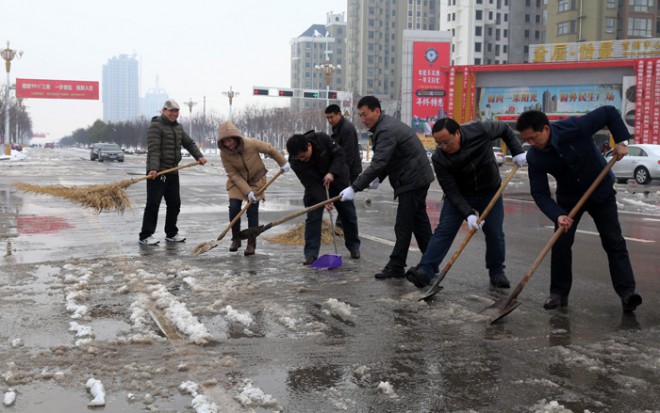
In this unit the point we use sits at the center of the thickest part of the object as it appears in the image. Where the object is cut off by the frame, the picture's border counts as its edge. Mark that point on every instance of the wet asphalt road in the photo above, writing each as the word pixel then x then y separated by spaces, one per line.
pixel 312 340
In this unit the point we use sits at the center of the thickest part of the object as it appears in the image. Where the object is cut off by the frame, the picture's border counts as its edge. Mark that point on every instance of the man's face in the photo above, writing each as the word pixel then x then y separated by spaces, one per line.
pixel 333 118
pixel 171 114
pixel 447 142
pixel 305 156
pixel 538 140
pixel 368 117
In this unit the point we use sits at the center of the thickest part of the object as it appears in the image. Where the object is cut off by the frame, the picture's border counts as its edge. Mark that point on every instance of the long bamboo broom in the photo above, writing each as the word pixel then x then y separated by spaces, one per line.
pixel 105 197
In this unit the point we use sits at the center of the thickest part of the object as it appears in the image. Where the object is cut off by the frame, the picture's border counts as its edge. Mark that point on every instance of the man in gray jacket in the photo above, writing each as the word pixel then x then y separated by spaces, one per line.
pixel 399 155
pixel 164 140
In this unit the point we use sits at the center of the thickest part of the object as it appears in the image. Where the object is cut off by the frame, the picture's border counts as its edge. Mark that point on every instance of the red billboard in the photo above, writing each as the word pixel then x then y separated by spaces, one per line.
pixel 57 89
pixel 429 85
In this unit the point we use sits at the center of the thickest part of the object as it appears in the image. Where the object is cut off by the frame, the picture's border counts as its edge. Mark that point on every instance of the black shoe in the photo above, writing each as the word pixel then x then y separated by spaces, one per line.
pixel 630 302
pixel 417 277
pixel 309 260
pixel 499 281
pixel 389 273
pixel 355 254
pixel 555 301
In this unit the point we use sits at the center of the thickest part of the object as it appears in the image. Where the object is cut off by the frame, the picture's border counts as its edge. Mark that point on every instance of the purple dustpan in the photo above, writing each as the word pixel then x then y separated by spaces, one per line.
pixel 329 261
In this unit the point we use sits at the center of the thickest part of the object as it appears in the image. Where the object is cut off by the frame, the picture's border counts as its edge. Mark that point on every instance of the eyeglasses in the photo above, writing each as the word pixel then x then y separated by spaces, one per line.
pixel 446 142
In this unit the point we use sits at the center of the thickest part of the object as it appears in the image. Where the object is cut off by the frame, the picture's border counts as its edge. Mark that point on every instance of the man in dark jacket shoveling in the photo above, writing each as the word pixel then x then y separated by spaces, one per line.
pixel 319 163
pixel 469 177
pixel 399 155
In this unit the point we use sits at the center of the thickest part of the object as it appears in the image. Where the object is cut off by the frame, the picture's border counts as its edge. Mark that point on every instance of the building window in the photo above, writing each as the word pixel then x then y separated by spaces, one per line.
pixel 611 4
pixel 639 27
pixel 479 15
pixel 526 34
pixel 562 28
pixel 489 47
pixel 505 33
pixel 478 30
pixel 640 6
pixel 565 5
pixel 527 18
pixel 477 61
pixel 477 47
pixel 609 24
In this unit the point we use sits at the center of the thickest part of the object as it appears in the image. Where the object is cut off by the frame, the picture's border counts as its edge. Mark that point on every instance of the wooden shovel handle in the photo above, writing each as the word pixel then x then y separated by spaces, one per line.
pixel 248 204
pixel 304 211
pixel 166 171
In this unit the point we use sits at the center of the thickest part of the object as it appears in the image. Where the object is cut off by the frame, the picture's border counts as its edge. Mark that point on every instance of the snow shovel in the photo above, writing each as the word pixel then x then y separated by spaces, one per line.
pixel 506 305
pixel 329 261
pixel 256 231
pixel 435 283
pixel 207 246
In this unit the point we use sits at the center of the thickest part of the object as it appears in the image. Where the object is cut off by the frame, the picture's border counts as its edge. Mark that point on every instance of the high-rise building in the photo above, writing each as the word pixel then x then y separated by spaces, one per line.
pixel 375 38
pixel 493 31
pixel 582 21
pixel 152 102
pixel 319 44
pixel 121 89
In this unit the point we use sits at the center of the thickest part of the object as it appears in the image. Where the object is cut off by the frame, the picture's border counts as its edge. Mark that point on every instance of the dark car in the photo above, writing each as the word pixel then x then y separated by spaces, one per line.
pixel 106 152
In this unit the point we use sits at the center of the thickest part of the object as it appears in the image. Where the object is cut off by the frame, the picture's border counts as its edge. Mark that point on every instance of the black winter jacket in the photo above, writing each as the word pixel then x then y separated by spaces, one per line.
pixel 346 136
pixel 327 156
pixel 399 155
pixel 473 169
pixel 164 141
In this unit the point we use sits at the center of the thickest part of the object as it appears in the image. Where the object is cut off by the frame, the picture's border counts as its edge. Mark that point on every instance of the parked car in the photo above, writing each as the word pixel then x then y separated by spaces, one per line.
pixel 641 164
pixel 49 145
pixel 106 152
pixel 499 156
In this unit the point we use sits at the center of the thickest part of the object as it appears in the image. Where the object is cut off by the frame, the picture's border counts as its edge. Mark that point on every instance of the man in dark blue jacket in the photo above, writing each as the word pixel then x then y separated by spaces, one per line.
pixel 566 150
pixel 469 177
pixel 400 156
pixel 319 162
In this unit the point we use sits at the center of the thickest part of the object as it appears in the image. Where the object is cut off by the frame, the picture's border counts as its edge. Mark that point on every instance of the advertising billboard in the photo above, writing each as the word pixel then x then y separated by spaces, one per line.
pixel 429 87
pixel 57 89
pixel 506 103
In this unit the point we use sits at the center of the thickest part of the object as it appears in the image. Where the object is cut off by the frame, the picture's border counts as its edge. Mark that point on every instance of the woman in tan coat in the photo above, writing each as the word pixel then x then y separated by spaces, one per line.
pixel 246 173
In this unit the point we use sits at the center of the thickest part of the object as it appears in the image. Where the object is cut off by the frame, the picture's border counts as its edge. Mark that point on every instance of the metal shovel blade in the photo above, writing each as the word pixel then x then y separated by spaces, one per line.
pixel 327 261
pixel 500 309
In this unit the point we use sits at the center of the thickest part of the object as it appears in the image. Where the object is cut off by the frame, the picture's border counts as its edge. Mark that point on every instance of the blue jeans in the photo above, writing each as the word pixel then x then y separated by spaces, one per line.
pixel 252 214
pixel 449 224
pixel 314 227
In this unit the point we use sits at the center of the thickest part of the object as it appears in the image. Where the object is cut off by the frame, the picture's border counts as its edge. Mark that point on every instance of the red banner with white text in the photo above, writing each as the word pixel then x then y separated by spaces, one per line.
pixel 57 89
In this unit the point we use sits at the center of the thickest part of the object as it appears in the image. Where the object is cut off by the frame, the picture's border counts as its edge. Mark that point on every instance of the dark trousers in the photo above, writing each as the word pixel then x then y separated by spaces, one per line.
pixel 606 218
pixel 450 223
pixel 252 214
pixel 164 186
pixel 314 228
pixel 411 218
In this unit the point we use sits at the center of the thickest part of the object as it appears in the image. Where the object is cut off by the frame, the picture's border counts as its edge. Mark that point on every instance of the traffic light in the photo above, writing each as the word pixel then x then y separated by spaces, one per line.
pixel 260 92
pixel 288 93
pixel 332 94
pixel 310 94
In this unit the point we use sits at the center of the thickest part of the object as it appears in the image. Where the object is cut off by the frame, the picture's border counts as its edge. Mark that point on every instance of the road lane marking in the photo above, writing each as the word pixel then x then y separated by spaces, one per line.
pixel 384 241
pixel 644 241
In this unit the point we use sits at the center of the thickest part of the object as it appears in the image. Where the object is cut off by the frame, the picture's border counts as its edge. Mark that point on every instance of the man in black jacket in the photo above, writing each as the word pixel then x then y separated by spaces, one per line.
pixel 165 138
pixel 469 176
pixel 320 163
pixel 344 133
pixel 399 155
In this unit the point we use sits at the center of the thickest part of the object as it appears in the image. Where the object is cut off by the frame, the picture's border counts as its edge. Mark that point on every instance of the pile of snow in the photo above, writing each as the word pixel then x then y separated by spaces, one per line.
pixel 200 403
pixel 332 306
pixel 236 316
pixel 251 396
pixel 95 387
pixel 386 388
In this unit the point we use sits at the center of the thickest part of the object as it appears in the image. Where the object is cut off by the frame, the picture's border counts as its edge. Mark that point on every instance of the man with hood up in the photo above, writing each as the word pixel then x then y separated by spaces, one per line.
pixel 246 173
pixel 165 138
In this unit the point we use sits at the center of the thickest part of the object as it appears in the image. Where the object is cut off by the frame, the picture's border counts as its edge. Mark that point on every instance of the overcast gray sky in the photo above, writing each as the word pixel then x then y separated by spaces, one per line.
pixel 197 48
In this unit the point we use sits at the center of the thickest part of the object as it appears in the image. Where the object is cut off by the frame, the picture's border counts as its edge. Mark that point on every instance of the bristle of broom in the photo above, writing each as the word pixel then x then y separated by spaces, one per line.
pixel 204 247
pixel 296 235
pixel 109 197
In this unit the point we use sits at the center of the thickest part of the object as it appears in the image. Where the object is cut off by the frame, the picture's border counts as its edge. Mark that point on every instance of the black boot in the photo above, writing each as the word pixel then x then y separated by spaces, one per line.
pixel 252 245
pixel 235 243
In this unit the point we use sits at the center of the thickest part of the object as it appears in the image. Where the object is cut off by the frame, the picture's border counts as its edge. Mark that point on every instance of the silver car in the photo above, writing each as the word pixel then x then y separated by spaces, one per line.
pixel 642 164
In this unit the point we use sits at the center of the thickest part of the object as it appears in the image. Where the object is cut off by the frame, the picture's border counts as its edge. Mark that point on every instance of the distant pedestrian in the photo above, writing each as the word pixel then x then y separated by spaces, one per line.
pixel 246 173
pixel 469 177
pixel 319 163
pixel 165 137
pixel 398 154
pixel 566 150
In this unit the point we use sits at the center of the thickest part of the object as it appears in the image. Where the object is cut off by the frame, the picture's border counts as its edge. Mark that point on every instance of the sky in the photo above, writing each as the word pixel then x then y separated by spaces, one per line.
pixel 195 48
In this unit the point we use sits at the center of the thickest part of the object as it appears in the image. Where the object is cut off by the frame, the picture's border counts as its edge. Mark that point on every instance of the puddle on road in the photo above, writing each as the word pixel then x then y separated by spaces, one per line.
pixel 41 224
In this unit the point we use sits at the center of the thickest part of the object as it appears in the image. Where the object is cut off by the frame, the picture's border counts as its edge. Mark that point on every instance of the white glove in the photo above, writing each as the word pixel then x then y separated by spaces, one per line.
pixel 472 223
pixel 374 184
pixel 347 194
pixel 251 197
pixel 286 167
pixel 520 159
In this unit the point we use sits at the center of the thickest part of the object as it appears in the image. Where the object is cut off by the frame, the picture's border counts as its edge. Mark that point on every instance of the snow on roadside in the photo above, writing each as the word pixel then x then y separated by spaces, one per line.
pixel 76 291
pixel 251 396
pixel 200 402
pixel 332 306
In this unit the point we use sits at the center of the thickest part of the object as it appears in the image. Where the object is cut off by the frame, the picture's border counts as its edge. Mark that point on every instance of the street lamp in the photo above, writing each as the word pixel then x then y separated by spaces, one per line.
pixel 327 69
pixel 8 54
pixel 230 94
pixel 190 104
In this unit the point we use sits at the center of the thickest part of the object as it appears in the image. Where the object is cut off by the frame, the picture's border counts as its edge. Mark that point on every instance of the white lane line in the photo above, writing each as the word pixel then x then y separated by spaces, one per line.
pixel 384 241
pixel 644 241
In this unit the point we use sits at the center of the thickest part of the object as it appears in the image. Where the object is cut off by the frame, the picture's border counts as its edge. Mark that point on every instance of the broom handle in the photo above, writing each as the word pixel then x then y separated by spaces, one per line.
pixel 304 211
pixel 249 203
pixel 166 171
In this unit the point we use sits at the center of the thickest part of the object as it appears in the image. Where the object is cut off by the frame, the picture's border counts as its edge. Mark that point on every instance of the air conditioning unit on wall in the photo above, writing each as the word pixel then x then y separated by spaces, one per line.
pixel 628 97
